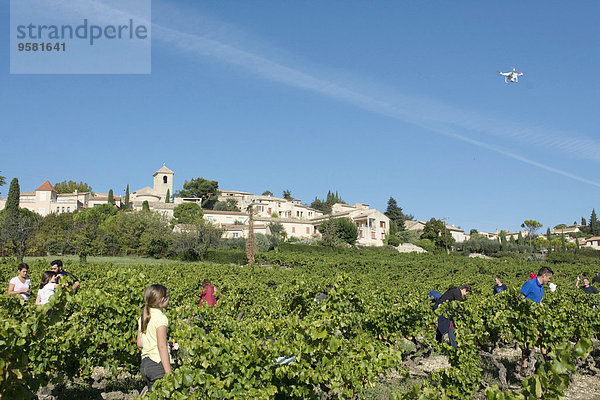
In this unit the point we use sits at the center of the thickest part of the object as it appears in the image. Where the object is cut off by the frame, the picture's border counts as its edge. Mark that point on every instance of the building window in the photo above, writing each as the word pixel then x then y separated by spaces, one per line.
pixel 372 235
pixel 293 229
pixel 57 209
pixel 361 234
pixel 382 224
pixel 229 220
pixel 382 235
pixel 307 230
pixel 68 209
pixel 63 209
pixel 164 179
pixel 234 235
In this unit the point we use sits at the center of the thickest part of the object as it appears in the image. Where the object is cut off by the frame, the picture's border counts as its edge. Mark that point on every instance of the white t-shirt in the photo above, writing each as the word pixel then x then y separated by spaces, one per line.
pixel 20 286
pixel 48 290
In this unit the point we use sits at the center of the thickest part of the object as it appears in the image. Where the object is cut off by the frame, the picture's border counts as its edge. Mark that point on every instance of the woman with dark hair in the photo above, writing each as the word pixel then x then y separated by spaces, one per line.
pixel 47 287
pixel 20 284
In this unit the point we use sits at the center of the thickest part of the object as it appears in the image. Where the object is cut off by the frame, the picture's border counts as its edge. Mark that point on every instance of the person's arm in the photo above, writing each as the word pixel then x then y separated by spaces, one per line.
pixel 76 285
pixel 38 300
pixel 12 291
pixel 577 283
pixel 139 338
pixel 161 341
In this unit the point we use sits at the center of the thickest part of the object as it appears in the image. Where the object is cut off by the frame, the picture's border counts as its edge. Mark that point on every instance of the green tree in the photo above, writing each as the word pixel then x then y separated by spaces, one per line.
pixel 86 226
pixel 287 195
pixel 473 232
pixel 17 225
pixel 520 239
pixel 277 229
pixel 594 224
pixel 168 196
pixel 56 233
pixel 337 231
pixel 532 227
pixel 145 206
pixel 561 226
pixel 395 214
pixel 583 221
pixel 111 199
pixel 227 205
pixel 135 232
pixel 2 180
pixel 202 189
pixel 326 204
pixel 17 230
pixel 71 187
pixel 267 193
pixel 187 213
pixel 503 241
pixel 436 231
pixel 126 202
pixel 12 202
pixel 195 241
pixel 549 237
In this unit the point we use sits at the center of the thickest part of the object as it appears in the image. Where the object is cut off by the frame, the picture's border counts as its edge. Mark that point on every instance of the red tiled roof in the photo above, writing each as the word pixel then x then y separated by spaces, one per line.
pixel 46 186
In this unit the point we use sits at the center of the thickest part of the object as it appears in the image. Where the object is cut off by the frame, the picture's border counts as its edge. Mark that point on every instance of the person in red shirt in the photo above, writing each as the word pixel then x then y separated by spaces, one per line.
pixel 208 294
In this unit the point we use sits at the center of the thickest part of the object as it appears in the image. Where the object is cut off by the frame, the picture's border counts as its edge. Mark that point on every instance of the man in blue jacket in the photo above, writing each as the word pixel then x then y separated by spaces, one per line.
pixel 533 290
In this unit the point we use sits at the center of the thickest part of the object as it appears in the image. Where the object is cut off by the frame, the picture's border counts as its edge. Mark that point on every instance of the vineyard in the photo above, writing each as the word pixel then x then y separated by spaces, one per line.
pixel 375 323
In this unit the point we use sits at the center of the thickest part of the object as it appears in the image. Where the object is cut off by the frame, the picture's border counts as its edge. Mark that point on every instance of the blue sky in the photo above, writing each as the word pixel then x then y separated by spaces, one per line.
pixel 370 98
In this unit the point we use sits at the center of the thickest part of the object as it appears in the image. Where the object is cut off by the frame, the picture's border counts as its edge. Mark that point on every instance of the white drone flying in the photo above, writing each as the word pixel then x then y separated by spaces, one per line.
pixel 511 77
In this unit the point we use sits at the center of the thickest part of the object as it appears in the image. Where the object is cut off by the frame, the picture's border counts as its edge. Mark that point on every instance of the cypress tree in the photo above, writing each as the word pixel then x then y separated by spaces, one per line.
pixel 583 221
pixel 111 199
pixel 145 206
pixel 12 202
pixel 549 237
pixel 520 239
pixel 594 227
pixel 126 197
pixel 168 196
pixel 563 242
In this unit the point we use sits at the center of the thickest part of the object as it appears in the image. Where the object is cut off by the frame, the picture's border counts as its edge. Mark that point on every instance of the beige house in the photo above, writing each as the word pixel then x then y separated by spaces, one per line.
pixel 458 234
pixel 593 242
pixel 226 217
pixel 276 207
pixel 298 228
pixel 44 200
pixel 372 224
pixel 165 209
pixel 417 226
pixel 566 231
pixel 102 198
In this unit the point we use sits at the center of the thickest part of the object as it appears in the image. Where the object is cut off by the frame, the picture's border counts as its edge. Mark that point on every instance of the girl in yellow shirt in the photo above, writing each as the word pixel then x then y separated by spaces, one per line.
pixel 152 335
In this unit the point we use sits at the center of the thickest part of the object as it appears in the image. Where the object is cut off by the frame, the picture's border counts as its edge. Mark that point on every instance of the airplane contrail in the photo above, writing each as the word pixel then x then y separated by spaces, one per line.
pixel 426 113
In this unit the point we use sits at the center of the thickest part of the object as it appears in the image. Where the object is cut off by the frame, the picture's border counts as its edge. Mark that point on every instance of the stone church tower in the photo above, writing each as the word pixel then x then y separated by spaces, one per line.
pixel 163 181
